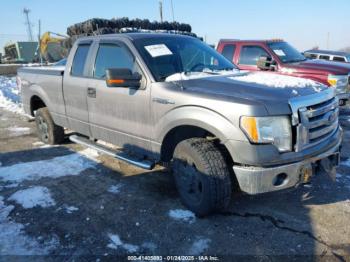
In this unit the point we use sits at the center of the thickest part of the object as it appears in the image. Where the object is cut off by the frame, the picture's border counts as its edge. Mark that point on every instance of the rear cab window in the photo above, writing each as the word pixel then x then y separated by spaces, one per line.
pixel 249 55
pixel 79 60
pixel 228 51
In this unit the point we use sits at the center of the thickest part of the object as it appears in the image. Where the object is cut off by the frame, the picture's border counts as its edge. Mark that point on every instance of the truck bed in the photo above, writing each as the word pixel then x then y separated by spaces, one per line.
pixel 46 70
pixel 45 82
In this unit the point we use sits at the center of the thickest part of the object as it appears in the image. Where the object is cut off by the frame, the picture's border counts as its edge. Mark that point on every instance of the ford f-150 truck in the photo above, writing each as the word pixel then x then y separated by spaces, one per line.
pixel 280 57
pixel 173 100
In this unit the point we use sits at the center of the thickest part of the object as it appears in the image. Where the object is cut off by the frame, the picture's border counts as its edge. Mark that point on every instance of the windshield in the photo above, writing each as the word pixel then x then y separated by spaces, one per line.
pixel 286 52
pixel 348 58
pixel 166 56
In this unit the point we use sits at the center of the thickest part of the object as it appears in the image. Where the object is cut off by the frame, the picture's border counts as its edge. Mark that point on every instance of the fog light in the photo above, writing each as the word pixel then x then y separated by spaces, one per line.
pixel 280 179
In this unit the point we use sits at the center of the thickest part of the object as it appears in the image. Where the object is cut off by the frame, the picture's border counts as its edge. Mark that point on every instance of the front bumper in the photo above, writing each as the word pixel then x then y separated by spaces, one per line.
pixel 255 180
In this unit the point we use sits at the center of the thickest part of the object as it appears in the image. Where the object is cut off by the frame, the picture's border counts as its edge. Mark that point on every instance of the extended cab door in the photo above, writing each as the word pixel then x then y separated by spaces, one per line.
pixel 75 83
pixel 249 56
pixel 118 115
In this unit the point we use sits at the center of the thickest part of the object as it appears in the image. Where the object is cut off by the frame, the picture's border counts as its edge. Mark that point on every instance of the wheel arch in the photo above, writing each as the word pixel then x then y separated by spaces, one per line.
pixel 36 102
pixel 193 122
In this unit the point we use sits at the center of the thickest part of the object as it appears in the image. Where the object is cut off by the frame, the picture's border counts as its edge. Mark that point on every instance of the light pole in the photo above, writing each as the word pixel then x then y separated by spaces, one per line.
pixel 161 10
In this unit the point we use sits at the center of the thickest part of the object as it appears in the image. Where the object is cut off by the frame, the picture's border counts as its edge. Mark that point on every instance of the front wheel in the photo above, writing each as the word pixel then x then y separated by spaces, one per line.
pixel 202 176
pixel 48 131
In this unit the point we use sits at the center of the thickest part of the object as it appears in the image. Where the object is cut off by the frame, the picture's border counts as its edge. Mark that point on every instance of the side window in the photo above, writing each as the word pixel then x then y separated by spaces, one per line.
pixel 324 57
pixel 228 51
pixel 79 60
pixel 250 55
pixel 112 56
pixel 339 58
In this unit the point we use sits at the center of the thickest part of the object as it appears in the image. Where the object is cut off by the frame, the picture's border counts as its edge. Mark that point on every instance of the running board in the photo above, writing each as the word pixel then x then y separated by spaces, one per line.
pixel 116 154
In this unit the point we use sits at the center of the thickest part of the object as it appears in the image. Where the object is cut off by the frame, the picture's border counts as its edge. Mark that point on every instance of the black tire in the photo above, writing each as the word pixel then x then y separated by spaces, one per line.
pixel 202 176
pixel 48 131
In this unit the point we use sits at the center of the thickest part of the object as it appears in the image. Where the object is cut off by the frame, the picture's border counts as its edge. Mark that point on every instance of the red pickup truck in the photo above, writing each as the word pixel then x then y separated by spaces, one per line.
pixel 278 56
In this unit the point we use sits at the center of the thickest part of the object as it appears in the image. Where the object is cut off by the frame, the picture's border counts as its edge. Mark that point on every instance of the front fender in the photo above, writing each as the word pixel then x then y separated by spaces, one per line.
pixel 201 117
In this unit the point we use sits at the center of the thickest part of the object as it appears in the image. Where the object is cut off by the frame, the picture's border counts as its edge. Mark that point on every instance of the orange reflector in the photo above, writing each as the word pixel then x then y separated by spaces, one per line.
pixel 332 82
pixel 116 81
pixel 249 125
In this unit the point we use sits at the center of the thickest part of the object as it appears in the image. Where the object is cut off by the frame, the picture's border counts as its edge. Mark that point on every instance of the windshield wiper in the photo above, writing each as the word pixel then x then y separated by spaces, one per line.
pixel 206 71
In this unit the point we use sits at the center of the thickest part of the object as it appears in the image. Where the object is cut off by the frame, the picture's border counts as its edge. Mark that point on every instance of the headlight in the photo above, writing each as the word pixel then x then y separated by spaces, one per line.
pixel 275 130
pixel 339 82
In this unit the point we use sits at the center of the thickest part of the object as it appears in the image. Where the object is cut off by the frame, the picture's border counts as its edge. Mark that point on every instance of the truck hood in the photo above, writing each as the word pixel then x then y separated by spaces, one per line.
pixel 271 90
pixel 321 67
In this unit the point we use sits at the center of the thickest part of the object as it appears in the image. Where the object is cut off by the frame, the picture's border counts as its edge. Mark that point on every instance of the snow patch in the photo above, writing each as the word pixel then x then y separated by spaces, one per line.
pixel 115 189
pixel 346 162
pixel 150 246
pixel 182 215
pixel 71 209
pixel 32 197
pixel 48 146
pixel 117 243
pixel 19 131
pixel 278 81
pixel 262 78
pixel 9 95
pixel 13 240
pixel 196 75
pixel 38 143
pixel 90 154
pixel 72 164
pixel 199 246
pixel 344 179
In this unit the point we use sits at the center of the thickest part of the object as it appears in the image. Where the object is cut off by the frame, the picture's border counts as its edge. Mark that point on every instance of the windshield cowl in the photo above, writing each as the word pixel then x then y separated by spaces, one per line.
pixel 183 76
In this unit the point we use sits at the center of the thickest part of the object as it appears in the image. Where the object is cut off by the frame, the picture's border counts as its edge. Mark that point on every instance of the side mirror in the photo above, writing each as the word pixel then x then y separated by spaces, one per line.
pixel 265 63
pixel 122 77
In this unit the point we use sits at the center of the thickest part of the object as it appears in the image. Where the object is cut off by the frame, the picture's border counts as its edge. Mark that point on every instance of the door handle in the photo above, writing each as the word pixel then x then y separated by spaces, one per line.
pixel 91 92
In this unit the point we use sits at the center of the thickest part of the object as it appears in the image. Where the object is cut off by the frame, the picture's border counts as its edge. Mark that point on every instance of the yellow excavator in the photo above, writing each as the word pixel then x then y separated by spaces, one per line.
pixel 52 47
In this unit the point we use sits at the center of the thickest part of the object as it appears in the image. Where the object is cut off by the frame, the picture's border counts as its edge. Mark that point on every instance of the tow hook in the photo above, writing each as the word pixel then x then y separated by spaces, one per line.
pixel 306 173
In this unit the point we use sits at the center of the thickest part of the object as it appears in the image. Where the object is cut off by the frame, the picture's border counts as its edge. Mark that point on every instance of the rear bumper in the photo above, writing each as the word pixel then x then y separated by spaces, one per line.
pixel 255 180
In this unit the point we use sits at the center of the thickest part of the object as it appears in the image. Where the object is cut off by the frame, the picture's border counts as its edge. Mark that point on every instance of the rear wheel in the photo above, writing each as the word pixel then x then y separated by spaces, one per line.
pixel 202 176
pixel 48 131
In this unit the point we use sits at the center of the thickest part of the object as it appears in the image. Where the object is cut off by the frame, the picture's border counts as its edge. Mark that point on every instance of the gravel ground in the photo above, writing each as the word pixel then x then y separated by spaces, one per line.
pixel 70 202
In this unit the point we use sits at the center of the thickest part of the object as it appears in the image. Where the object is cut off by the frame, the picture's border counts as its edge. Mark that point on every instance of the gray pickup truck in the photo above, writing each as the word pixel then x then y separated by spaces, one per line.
pixel 172 100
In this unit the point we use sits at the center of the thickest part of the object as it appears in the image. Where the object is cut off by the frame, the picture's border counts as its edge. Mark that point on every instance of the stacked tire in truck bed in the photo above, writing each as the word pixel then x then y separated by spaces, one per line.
pixel 97 26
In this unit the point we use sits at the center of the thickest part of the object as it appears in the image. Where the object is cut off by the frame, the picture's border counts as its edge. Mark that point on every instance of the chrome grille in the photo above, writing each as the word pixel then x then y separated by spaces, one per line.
pixel 315 118
pixel 317 123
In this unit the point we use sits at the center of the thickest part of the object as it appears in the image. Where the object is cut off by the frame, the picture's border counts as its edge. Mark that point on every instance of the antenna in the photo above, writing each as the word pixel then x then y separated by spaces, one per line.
pixel 26 12
pixel 161 10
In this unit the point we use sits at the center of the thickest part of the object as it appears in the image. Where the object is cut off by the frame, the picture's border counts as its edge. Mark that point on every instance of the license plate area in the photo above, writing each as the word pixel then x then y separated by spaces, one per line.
pixel 328 164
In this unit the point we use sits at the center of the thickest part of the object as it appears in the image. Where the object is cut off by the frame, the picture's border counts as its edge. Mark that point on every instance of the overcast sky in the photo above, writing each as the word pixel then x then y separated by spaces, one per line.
pixel 302 23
